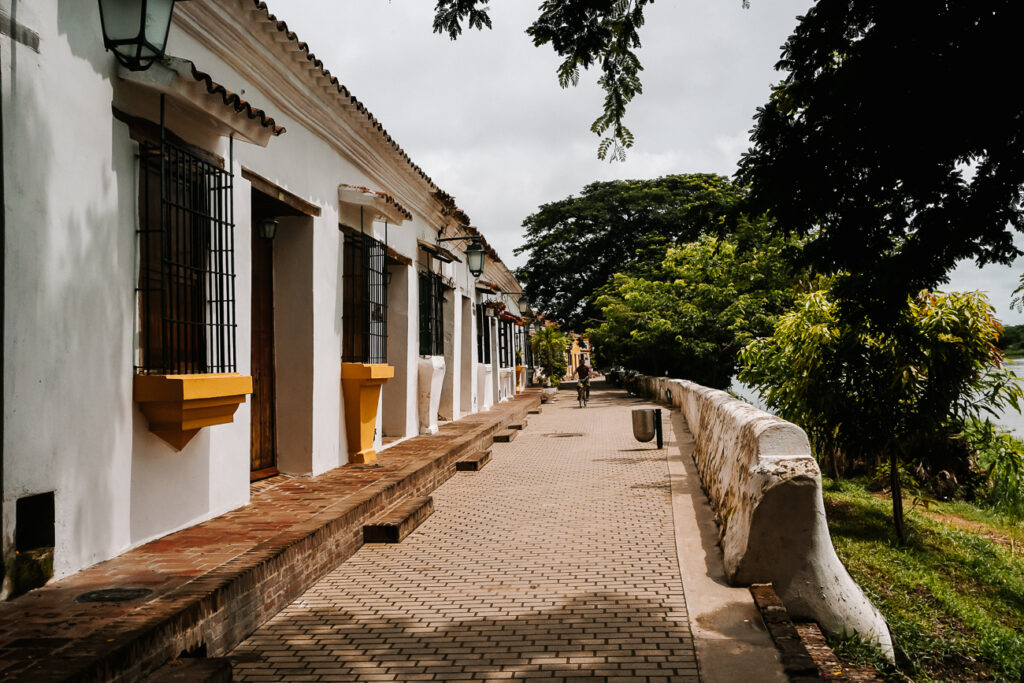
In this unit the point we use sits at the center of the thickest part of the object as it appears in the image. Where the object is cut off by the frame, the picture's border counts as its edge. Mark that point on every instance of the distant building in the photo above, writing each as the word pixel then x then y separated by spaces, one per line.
pixel 579 350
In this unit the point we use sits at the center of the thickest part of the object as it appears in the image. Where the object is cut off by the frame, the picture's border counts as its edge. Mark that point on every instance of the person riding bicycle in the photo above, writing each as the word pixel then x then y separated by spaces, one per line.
pixel 583 376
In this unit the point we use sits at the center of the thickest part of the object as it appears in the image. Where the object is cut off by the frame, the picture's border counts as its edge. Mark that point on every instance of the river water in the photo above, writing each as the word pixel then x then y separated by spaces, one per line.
pixel 1008 419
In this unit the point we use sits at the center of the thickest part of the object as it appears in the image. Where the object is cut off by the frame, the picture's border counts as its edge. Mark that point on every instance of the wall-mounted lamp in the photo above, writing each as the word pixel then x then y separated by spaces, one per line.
pixel 524 305
pixel 136 30
pixel 268 228
pixel 475 253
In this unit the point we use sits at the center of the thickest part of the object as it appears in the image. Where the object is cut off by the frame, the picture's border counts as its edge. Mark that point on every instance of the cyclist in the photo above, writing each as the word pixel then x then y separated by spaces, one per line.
pixel 583 376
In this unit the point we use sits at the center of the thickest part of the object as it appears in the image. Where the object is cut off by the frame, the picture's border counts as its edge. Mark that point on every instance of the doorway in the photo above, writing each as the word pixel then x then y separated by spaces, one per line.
pixel 263 452
pixel 263 430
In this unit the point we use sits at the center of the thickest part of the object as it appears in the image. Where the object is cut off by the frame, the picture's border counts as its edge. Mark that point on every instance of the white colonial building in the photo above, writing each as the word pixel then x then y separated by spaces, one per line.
pixel 215 269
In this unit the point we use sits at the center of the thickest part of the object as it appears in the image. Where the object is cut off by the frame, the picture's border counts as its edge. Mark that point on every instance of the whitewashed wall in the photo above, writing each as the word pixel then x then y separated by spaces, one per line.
pixel 71 425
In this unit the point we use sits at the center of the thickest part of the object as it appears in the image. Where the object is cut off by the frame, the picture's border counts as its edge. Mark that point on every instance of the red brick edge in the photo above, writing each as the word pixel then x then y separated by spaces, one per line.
pixel 796 661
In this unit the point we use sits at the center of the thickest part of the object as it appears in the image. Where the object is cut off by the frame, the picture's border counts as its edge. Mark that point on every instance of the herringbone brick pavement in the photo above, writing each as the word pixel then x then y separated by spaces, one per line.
pixel 556 561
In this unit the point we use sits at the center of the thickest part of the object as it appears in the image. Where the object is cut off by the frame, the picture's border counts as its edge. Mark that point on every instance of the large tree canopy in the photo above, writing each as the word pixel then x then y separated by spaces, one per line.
pixel 896 142
pixel 576 244
pixel 691 316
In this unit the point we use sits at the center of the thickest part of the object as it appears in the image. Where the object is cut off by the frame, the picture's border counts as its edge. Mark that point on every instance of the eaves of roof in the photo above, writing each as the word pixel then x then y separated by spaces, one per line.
pixel 232 100
pixel 383 196
pixel 283 29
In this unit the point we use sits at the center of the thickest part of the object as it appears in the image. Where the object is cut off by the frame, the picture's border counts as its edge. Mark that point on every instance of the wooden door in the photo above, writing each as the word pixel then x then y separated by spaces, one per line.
pixel 263 452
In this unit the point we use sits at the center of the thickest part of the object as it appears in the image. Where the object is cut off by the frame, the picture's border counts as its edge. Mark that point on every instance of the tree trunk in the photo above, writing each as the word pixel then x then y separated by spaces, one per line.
pixel 897 496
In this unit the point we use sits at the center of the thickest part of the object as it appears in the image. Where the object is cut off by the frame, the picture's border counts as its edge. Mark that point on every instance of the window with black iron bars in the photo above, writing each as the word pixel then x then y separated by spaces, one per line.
pixel 504 347
pixel 365 304
pixel 431 314
pixel 483 336
pixel 186 288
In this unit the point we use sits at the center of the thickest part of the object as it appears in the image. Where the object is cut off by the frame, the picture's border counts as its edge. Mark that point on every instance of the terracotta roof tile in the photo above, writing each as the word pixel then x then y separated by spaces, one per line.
pixel 235 102
pixel 374 123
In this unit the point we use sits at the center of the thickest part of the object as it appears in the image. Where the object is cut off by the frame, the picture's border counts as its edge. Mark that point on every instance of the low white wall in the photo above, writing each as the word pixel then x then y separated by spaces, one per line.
pixel 765 489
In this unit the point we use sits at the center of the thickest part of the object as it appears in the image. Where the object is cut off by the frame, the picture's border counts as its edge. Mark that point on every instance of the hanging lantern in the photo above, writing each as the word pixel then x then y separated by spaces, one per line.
pixel 475 254
pixel 524 305
pixel 268 228
pixel 136 30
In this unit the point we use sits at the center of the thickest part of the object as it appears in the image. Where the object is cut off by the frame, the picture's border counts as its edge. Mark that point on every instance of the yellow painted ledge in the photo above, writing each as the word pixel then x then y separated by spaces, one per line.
pixel 178 406
pixel 360 385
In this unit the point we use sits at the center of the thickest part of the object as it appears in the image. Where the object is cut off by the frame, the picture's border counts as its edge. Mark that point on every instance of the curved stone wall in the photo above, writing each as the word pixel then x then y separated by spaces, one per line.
pixel 765 488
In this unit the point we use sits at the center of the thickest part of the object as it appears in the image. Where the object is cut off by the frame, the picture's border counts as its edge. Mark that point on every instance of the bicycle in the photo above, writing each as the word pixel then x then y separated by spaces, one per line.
pixel 583 392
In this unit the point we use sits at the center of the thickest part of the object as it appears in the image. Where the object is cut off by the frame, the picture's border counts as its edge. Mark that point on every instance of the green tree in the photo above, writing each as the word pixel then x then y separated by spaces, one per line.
pixel 1011 341
pixel 576 244
pixel 709 299
pixel 888 145
pixel 548 346
pixel 864 393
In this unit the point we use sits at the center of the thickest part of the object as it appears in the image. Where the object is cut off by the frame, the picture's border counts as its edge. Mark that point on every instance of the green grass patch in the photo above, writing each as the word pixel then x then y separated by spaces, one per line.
pixel 953 594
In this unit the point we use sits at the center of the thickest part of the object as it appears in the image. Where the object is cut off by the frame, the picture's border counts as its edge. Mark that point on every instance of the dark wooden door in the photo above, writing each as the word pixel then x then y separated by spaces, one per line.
pixel 263 452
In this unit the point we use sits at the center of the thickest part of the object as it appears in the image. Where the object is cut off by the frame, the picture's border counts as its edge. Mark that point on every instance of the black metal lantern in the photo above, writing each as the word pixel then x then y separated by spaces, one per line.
pixel 524 305
pixel 268 228
pixel 475 254
pixel 136 30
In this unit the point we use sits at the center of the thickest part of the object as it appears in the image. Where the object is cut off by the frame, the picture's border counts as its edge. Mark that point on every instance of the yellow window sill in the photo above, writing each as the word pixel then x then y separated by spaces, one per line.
pixel 178 406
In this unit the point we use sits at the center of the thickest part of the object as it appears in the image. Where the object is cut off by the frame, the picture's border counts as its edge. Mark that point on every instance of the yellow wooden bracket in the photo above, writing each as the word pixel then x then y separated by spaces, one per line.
pixel 178 406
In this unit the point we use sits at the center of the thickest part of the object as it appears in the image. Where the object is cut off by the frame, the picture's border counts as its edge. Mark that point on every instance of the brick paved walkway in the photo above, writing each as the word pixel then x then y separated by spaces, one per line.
pixel 556 560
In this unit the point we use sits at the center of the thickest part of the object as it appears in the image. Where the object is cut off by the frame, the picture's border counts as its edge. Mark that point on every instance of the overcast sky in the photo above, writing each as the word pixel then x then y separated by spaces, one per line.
pixel 484 117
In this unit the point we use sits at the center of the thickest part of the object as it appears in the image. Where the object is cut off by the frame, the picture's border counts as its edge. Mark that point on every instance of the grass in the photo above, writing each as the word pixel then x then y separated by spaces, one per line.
pixel 953 595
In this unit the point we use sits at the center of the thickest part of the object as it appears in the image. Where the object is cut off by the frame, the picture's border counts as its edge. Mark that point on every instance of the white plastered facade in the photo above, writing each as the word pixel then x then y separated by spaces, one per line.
pixel 71 425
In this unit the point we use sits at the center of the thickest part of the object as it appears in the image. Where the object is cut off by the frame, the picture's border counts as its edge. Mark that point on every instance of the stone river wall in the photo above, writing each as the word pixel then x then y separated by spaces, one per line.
pixel 765 489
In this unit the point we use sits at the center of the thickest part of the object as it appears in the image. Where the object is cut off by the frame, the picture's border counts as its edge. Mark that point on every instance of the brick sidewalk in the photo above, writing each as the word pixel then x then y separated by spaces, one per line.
pixel 557 560
pixel 212 584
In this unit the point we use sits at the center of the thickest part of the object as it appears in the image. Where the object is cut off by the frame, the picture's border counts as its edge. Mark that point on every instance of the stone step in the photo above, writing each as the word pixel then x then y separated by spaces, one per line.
pixel 473 462
pixel 506 436
pixel 519 426
pixel 193 670
pixel 533 411
pixel 398 522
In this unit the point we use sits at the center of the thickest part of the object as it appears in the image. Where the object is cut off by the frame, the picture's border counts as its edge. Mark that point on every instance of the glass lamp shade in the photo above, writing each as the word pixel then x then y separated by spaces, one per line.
pixel 268 228
pixel 136 30
pixel 524 305
pixel 475 254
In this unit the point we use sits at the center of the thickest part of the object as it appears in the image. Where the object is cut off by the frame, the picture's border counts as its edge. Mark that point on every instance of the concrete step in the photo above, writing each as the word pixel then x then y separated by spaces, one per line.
pixel 506 436
pixel 398 522
pixel 520 426
pixel 473 462
pixel 193 670
pixel 533 411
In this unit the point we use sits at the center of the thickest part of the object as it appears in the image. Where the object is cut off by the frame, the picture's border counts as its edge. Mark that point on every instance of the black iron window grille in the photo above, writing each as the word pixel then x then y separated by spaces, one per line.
pixel 504 348
pixel 483 336
pixel 431 314
pixel 365 300
pixel 186 287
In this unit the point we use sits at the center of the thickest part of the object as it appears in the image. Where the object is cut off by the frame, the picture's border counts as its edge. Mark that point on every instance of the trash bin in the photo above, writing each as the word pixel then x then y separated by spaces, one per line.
pixel 643 424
